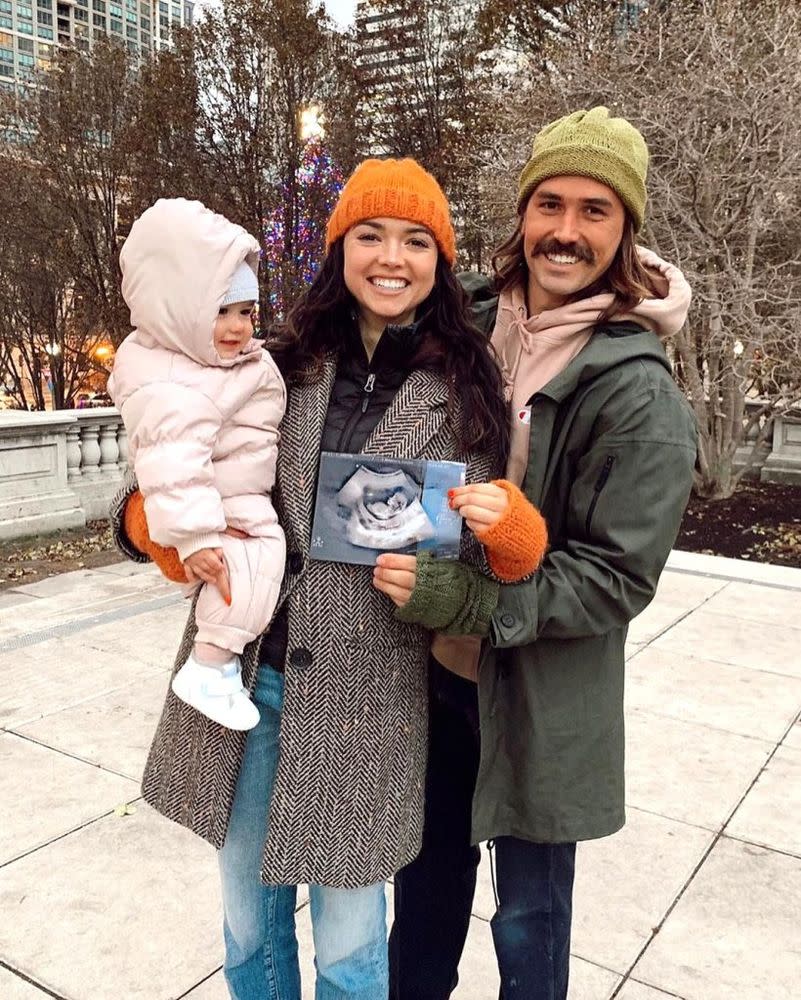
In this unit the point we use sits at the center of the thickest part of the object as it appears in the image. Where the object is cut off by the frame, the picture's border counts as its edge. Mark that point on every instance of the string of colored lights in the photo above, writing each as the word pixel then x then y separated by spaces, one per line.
pixel 294 233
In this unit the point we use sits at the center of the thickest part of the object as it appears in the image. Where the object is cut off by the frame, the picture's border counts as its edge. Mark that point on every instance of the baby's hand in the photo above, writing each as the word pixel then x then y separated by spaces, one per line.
pixel 208 565
pixel 482 505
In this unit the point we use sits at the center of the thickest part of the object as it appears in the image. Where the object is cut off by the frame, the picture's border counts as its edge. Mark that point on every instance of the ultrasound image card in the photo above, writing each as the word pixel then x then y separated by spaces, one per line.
pixel 369 504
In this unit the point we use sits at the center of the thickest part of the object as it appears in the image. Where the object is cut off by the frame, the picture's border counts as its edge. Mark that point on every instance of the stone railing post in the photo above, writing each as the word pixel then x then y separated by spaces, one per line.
pixel 109 449
pixel 783 465
pixel 73 453
pixel 101 465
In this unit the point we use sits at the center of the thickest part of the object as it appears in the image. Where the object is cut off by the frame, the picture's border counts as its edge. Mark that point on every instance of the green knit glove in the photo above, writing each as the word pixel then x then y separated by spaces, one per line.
pixel 450 597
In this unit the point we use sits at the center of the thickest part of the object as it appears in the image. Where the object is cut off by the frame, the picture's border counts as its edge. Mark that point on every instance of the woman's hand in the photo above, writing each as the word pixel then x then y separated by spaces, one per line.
pixel 482 505
pixel 395 576
pixel 209 566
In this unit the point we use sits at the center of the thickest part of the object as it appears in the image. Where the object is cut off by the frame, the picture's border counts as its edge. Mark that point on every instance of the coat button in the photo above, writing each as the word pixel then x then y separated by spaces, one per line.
pixel 300 658
pixel 294 562
pixel 507 620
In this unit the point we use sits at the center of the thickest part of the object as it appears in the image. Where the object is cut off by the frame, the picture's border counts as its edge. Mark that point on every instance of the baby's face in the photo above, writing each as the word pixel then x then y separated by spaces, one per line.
pixel 233 328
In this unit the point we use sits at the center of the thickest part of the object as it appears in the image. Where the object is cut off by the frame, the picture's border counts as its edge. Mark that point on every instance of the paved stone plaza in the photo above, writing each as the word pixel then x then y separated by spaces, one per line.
pixel 697 898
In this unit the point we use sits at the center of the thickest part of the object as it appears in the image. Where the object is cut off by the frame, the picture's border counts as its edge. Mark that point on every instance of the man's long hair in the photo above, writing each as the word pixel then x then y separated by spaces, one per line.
pixel 626 277
pixel 318 323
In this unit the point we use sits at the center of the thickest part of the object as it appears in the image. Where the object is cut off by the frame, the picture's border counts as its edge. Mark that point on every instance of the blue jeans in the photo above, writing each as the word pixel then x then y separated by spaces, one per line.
pixel 261 948
pixel 434 894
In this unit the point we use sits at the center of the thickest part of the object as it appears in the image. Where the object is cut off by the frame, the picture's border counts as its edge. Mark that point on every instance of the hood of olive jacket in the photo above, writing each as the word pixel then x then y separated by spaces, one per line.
pixel 534 350
pixel 177 264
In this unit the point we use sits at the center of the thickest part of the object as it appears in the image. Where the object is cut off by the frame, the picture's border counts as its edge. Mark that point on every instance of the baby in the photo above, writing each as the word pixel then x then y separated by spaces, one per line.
pixel 201 401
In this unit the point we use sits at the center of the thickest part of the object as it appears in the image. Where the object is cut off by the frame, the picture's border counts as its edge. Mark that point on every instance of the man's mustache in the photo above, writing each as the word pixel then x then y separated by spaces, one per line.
pixel 552 246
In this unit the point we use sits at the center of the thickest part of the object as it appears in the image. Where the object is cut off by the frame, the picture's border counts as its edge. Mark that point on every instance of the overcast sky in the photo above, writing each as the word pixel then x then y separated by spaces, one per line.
pixel 340 10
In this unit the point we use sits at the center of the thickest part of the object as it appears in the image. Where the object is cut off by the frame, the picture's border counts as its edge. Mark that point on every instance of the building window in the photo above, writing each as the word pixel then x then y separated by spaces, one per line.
pixel 44 32
pixel 43 18
pixel 81 15
pixel 5 22
pixel 116 26
pixel 115 10
pixel 99 5
pixel 24 28
pixel 99 21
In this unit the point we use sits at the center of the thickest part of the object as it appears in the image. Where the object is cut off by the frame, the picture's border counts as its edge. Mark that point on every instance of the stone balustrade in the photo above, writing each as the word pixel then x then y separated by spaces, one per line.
pixel 60 469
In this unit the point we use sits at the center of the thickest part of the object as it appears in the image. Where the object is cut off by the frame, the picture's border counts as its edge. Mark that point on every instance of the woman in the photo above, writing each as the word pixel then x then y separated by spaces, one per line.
pixel 379 357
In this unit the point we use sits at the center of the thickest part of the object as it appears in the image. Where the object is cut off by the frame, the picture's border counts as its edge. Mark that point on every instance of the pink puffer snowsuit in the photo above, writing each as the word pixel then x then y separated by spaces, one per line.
pixel 202 430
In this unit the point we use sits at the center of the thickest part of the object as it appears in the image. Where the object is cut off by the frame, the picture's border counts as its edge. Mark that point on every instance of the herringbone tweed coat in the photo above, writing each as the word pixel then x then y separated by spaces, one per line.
pixel 347 805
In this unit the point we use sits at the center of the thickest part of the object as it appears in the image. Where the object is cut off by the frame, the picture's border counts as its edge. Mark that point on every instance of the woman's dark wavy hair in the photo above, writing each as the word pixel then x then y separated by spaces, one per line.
pixel 626 277
pixel 450 344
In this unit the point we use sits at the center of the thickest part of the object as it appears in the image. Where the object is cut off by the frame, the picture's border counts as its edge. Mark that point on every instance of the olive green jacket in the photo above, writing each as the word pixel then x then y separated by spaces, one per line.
pixel 612 451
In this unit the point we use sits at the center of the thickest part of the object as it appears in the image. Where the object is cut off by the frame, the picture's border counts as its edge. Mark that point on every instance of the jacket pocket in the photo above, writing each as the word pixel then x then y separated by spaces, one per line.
pixel 600 482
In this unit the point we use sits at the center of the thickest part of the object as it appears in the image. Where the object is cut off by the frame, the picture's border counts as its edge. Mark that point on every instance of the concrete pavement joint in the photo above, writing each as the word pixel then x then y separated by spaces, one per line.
pixel 715 841
pixel 200 982
pixel 763 847
pixel 67 833
pixel 678 621
pixel 31 982
pixel 81 624
pixel 66 753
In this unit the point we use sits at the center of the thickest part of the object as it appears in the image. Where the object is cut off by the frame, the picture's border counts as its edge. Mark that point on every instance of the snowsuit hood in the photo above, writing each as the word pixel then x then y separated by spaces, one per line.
pixel 177 265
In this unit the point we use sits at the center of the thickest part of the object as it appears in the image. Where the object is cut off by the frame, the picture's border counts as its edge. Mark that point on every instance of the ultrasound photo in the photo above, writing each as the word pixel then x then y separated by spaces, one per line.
pixel 368 504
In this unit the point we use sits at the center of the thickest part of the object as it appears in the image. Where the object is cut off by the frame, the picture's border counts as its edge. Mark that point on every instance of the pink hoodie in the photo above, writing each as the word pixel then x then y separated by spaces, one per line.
pixel 535 349
pixel 202 430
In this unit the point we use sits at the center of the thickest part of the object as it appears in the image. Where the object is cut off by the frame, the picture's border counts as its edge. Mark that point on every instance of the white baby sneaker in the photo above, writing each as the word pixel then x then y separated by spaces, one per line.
pixel 217 692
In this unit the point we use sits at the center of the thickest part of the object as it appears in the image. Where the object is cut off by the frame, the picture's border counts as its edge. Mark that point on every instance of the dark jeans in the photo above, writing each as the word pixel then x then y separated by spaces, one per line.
pixel 434 894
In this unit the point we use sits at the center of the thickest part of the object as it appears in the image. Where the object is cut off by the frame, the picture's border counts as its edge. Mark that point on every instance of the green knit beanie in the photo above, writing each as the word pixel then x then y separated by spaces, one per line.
pixel 591 144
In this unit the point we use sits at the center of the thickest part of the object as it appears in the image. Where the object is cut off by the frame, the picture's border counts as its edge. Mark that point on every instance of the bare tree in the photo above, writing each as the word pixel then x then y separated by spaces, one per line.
pixel 79 123
pixel 258 65
pixel 712 85
pixel 48 337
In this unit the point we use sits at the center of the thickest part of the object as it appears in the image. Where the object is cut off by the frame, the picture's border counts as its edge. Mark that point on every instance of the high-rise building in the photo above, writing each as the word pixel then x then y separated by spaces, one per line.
pixel 30 30
pixel 391 64
pixel 387 43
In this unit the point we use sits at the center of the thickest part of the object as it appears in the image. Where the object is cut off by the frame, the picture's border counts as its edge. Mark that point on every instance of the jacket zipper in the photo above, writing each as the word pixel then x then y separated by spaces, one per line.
pixel 353 419
pixel 369 385
pixel 600 482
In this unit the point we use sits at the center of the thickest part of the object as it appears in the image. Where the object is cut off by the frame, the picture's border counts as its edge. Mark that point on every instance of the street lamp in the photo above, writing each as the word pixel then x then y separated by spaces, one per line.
pixel 52 350
pixel 311 123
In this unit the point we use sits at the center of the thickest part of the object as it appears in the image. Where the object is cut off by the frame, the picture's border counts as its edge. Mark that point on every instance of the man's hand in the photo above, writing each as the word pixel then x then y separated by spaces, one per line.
pixel 395 576
pixel 482 505
pixel 208 565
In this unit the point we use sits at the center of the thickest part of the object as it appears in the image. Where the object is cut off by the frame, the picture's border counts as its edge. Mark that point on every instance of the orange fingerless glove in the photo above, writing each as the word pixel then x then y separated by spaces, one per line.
pixel 135 525
pixel 517 542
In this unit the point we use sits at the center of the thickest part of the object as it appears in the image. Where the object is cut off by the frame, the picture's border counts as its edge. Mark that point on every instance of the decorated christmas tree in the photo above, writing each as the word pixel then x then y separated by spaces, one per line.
pixel 294 234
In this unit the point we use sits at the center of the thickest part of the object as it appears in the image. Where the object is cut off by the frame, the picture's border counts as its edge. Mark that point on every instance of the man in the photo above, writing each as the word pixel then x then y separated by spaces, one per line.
pixel 603 443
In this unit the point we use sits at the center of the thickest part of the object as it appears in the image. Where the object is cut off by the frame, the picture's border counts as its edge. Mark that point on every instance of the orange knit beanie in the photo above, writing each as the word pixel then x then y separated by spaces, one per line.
pixel 393 189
